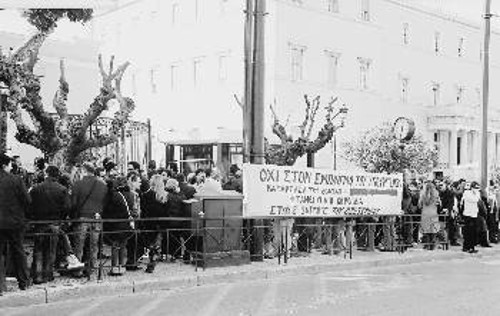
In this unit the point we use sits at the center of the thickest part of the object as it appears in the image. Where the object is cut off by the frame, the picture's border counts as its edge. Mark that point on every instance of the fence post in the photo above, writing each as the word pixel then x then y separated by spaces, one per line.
pixel 99 257
pixel 371 236
pixel 349 236
pixel 91 246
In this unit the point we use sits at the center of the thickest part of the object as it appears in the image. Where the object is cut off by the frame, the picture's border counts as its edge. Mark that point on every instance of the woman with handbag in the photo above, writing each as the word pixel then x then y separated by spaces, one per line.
pixel 117 233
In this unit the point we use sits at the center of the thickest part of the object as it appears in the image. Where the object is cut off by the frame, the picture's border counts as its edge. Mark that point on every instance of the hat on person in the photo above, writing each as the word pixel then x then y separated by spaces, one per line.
pixel 4 160
pixel 475 185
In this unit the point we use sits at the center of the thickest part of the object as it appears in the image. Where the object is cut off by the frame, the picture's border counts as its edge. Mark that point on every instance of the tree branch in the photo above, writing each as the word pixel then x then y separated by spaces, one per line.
pixel 278 129
pixel 238 101
pixel 61 95
pixel 106 94
pixel 24 133
pixel 312 118
pixel 27 53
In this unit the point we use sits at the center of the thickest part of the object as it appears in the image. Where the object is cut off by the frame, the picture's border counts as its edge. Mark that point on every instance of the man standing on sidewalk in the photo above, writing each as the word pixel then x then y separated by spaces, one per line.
pixel 14 200
pixel 88 202
pixel 50 203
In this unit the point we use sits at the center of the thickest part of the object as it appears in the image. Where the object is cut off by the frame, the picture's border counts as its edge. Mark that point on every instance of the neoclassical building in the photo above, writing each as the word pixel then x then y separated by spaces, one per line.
pixel 382 58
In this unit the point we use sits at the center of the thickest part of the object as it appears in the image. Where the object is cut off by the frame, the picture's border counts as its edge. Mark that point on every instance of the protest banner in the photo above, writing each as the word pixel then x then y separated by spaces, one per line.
pixel 282 191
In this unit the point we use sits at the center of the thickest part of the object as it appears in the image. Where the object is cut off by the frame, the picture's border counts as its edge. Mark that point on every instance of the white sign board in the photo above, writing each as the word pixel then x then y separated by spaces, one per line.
pixel 277 191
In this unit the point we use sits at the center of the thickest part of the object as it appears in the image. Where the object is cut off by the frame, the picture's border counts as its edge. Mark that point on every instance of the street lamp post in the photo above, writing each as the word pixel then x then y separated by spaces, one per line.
pixel 485 93
pixel 4 91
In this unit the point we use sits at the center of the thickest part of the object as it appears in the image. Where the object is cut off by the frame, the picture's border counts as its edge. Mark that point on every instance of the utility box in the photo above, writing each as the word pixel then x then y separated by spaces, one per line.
pixel 218 230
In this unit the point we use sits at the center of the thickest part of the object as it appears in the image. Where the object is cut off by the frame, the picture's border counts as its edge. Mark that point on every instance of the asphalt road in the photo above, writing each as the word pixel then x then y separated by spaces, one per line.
pixel 458 287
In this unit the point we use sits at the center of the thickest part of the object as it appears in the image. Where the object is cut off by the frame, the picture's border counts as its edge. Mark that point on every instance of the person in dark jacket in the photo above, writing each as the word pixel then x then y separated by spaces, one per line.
pixel 176 208
pixel 117 233
pixel 87 203
pixel 235 181
pixel 135 166
pixel 154 205
pixel 135 245
pixel 14 200
pixel 50 203
pixel 481 224
pixel 447 197
pixel 186 189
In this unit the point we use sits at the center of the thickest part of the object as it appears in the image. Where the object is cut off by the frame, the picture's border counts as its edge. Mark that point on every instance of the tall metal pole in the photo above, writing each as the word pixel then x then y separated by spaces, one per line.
pixel 257 147
pixel 257 113
pixel 247 104
pixel 485 94
pixel 150 143
pixel 3 126
pixel 4 90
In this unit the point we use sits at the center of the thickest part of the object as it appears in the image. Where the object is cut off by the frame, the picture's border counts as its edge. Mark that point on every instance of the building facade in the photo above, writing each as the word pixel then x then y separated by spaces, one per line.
pixel 382 58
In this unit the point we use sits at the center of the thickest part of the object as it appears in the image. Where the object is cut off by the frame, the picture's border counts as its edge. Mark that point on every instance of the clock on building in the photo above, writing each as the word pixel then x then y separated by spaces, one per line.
pixel 404 128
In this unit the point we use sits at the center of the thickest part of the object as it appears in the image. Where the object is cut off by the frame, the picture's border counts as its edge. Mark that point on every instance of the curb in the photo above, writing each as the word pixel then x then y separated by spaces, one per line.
pixel 49 294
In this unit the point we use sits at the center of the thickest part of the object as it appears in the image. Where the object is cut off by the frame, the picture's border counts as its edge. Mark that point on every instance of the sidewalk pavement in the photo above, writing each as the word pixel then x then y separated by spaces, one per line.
pixel 178 276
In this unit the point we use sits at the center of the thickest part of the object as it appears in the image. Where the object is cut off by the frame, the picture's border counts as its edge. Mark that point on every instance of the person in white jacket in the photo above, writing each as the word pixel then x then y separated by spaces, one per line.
pixel 470 204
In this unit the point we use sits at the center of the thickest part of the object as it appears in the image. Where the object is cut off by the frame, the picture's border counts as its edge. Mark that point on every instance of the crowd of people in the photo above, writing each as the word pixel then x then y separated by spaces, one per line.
pixel 442 207
pixel 71 212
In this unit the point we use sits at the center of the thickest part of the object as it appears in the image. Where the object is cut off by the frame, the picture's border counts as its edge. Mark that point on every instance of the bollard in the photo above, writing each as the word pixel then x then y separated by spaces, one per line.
pixel 100 258
pixel 371 237
pixel 349 236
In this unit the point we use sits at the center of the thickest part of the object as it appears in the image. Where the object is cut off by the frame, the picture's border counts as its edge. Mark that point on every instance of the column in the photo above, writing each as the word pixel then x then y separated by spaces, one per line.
pixel 491 149
pixel 497 148
pixel 444 154
pixel 453 148
pixel 477 147
pixel 465 147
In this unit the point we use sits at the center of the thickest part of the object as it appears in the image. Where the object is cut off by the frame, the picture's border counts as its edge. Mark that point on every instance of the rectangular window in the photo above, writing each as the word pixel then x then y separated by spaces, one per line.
pixel 404 82
pixel 223 6
pixel 175 13
pixel 333 6
pixel 365 10
pixel 197 72
pixel 332 61
pixel 460 49
pixel 406 35
pixel 153 77
pixel 196 10
pixel 459 150
pixel 297 61
pixel 460 91
pixel 364 73
pixel 223 67
pixel 437 42
pixel 436 91
pixel 174 74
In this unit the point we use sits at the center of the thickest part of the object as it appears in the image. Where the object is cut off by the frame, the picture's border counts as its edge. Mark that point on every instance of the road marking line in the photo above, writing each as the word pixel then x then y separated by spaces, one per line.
pixel 269 299
pixel 215 302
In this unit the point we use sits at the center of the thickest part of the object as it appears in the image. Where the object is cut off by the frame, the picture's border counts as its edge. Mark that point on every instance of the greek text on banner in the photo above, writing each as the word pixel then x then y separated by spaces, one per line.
pixel 281 191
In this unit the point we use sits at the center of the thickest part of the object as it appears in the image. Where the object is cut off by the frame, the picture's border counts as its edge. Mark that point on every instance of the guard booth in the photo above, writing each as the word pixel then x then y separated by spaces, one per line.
pixel 195 150
pixel 218 231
